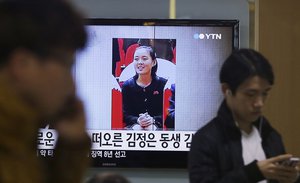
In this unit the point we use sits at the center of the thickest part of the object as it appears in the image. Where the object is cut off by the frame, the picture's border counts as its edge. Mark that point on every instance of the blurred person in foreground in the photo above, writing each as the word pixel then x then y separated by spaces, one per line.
pixel 239 145
pixel 38 41
pixel 108 177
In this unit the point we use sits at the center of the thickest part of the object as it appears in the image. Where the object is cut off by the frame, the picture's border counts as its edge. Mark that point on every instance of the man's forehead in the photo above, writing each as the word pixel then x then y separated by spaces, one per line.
pixel 256 83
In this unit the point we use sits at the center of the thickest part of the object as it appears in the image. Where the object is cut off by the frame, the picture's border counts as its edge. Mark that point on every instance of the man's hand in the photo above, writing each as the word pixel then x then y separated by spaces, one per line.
pixel 72 126
pixel 272 170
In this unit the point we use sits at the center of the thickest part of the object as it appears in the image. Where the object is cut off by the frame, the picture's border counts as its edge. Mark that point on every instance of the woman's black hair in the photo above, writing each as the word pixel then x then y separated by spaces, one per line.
pixel 243 64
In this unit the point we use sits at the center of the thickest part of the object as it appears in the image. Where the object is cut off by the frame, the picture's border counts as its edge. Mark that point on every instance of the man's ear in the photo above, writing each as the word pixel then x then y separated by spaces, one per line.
pixel 225 89
pixel 21 63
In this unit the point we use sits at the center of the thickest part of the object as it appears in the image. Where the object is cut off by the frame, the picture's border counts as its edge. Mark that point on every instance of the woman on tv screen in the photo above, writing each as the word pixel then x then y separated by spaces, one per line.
pixel 143 93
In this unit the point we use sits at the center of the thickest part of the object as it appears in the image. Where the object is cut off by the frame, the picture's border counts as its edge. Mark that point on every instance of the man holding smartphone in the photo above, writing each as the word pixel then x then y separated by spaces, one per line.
pixel 239 145
pixel 38 41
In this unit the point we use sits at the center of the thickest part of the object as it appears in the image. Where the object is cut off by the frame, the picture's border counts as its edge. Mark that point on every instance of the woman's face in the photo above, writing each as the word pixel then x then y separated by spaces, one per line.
pixel 143 62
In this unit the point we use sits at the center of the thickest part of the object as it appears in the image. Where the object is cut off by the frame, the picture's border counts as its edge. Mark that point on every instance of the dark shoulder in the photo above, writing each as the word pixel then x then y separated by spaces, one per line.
pixel 211 131
pixel 207 139
pixel 161 80
pixel 129 83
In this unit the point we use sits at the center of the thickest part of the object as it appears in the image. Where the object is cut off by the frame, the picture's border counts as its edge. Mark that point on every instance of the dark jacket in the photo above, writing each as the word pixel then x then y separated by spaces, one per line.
pixel 216 151
pixel 137 100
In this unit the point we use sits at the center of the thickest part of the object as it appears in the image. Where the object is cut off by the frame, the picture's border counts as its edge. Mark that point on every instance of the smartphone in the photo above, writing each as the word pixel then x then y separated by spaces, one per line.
pixel 292 162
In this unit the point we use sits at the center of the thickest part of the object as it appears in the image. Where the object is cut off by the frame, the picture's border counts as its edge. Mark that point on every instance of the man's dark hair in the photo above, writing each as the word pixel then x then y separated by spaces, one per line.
pixel 243 64
pixel 40 26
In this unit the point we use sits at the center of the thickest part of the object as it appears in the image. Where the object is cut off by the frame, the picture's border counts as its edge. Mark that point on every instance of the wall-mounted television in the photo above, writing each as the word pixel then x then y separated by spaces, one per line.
pixel 133 124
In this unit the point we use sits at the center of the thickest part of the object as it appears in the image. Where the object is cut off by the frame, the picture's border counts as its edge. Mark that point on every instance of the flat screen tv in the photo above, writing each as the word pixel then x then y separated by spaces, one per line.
pixel 133 123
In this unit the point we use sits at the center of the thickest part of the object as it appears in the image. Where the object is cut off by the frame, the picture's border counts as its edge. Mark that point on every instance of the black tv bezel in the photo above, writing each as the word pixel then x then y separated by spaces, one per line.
pixel 234 23
pixel 158 159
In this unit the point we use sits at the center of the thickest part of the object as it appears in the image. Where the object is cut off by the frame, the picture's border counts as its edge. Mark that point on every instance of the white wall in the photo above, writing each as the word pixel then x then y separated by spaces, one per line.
pixel 186 9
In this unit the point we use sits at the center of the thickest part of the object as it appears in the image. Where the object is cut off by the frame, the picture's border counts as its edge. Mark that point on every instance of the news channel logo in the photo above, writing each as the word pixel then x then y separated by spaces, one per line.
pixel 207 36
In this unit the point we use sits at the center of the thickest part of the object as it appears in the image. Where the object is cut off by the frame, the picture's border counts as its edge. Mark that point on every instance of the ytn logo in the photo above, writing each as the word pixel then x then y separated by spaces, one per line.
pixel 207 36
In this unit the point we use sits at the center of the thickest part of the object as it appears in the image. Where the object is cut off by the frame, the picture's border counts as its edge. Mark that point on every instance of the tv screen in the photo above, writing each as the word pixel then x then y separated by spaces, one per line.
pixel 147 87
